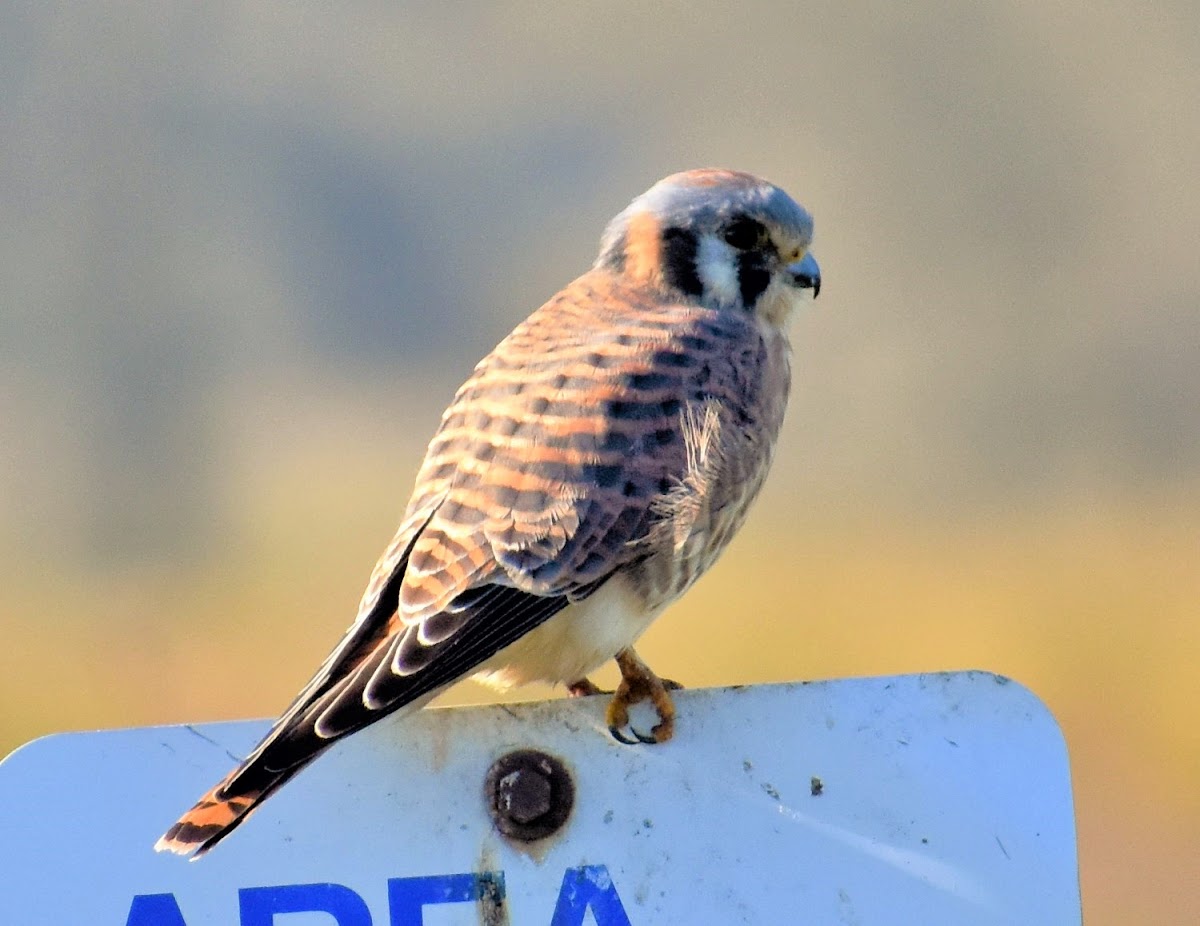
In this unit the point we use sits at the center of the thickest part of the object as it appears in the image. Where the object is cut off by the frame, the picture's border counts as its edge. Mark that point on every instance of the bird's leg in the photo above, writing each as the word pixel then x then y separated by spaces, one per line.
pixel 584 688
pixel 639 683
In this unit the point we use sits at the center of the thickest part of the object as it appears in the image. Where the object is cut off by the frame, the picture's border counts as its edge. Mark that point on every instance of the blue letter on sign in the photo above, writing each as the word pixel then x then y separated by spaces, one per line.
pixel 259 905
pixel 154 910
pixel 406 896
pixel 589 886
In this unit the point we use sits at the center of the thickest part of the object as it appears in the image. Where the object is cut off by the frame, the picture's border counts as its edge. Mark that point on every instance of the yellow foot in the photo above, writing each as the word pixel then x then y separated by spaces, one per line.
pixel 639 683
pixel 584 688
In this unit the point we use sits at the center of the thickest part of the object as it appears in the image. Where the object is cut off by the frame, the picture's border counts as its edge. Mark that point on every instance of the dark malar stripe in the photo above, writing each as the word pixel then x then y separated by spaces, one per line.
pixel 680 249
pixel 753 277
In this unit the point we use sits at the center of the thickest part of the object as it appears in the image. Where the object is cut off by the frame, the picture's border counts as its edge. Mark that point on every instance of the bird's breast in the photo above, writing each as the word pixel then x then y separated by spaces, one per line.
pixel 732 444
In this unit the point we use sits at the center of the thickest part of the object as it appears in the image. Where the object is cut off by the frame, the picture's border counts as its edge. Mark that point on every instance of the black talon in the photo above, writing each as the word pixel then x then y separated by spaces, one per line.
pixel 650 740
pixel 622 738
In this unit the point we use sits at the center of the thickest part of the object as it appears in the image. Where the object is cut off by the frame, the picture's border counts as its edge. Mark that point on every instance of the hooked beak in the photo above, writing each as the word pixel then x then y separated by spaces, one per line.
pixel 806 274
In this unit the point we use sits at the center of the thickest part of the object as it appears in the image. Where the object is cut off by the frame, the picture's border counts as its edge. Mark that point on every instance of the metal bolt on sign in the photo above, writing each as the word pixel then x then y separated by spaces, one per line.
pixel 529 794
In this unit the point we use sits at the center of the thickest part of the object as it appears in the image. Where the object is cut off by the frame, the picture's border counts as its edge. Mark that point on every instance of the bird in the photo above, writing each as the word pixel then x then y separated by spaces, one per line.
pixel 588 471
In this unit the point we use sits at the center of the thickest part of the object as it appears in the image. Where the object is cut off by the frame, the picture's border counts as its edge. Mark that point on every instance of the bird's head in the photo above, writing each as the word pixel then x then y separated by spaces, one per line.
pixel 725 239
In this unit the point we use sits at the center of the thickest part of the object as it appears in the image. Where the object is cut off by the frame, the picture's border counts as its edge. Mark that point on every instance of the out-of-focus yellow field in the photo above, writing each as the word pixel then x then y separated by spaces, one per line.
pixel 1093 606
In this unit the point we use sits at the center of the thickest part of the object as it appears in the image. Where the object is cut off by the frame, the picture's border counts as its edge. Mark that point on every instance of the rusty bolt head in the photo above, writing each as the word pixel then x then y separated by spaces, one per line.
pixel 529 794
pixel 524 795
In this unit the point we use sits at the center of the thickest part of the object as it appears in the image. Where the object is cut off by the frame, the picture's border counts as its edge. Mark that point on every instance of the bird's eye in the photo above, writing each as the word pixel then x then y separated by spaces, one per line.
pixel 745 233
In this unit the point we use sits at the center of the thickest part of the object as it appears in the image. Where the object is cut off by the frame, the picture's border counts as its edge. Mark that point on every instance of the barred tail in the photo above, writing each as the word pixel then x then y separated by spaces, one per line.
pixel 215 816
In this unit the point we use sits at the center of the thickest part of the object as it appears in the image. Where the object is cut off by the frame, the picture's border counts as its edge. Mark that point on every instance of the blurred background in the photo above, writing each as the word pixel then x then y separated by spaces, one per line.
pixel 248 250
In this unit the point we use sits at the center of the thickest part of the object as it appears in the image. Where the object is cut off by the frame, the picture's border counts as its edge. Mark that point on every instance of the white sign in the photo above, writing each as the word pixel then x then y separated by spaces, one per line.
pixel 929 799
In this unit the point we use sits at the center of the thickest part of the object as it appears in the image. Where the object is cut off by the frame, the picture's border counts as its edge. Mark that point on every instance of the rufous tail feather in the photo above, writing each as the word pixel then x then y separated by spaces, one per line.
pixel 214 817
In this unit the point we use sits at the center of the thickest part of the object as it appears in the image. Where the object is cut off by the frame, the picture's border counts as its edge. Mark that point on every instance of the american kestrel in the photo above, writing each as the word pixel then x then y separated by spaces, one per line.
pixel 592 467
